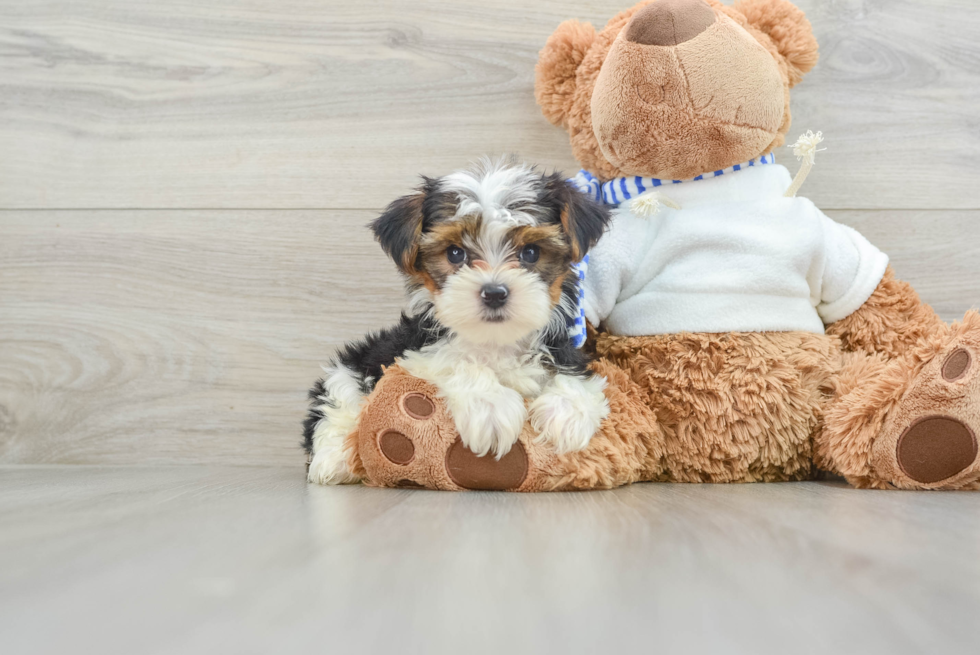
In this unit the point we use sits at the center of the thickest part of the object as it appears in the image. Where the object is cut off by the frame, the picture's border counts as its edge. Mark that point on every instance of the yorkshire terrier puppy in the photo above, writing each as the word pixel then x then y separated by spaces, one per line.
pixel 488 258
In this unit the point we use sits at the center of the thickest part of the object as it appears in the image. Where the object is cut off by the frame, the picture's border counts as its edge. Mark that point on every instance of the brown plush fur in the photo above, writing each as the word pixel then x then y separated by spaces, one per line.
pixel 672 418
pixel 657 111
pixel 676 91
pixel 784 30
pixel 752 407
pixel 877 398
pixel 891 321
pixel 733 407
pixel 560 60
pixel 889 397
pixel 553 82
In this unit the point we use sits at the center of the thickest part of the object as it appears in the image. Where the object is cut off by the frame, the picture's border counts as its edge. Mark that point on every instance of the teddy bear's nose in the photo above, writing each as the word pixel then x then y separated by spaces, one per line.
pixel 669 22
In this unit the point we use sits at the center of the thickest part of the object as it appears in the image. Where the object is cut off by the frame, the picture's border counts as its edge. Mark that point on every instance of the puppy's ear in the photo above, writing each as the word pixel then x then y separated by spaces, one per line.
pixel 582 218
pixel 399 228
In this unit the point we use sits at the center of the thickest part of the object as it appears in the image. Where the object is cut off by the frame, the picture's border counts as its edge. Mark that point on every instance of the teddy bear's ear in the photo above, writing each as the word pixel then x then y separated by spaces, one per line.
pixel 554 84
pixel 788 28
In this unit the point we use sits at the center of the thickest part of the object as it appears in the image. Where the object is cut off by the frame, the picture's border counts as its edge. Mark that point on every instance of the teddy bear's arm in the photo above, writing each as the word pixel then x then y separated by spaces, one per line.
pixel 889 322
pixel 862 302
pixel 613 261
pixel 851 269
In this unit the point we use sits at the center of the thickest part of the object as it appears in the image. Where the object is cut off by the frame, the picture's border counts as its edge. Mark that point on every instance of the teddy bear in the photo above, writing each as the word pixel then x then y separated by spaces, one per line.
pixel 744 336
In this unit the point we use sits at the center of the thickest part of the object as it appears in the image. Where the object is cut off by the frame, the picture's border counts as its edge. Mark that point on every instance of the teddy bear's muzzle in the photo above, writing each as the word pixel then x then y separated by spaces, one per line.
pixel 669 22
pixel 714 99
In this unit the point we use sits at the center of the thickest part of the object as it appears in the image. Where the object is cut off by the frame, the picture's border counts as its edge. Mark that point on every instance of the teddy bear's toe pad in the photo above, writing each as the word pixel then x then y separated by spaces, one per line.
pixel 936 448
pixel 396 447
pixel 418 406
pixel 486 473
pixel 957 365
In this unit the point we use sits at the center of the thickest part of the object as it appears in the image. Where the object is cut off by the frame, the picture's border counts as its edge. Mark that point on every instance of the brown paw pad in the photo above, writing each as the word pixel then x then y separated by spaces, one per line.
pixel 418 406
pixel 486 473
pixel 395 446
pixel 957 365
pixel 936 448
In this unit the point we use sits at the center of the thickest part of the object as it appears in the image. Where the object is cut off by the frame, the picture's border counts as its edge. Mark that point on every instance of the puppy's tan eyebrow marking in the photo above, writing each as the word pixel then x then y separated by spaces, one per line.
pixel 445 234
pixel 537 234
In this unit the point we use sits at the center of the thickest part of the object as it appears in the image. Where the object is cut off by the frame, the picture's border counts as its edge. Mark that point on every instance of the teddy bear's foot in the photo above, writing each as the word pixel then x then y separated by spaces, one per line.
pixel 930 440
pixel 406 438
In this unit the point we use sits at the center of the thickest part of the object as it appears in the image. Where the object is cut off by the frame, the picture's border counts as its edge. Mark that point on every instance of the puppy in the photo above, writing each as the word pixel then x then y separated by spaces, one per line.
pixel 488 257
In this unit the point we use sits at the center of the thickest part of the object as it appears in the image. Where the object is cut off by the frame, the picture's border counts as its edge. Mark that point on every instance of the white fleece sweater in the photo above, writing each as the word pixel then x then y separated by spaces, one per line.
pixel 737 257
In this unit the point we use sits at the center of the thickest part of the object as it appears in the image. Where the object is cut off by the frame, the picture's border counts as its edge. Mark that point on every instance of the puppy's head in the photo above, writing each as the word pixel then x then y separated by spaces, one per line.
pixel 492 248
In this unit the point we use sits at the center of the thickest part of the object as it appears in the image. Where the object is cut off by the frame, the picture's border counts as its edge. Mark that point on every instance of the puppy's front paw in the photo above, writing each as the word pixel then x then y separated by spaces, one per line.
pixel 569 412
pixel 329 466
pixel 490 422
pixel 328 461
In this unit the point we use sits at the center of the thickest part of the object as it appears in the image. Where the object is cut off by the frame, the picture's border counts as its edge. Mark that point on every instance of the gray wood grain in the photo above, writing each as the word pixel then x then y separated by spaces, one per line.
pixel 207 560
pixel 330 104
pixel 152 337
pixel 157 336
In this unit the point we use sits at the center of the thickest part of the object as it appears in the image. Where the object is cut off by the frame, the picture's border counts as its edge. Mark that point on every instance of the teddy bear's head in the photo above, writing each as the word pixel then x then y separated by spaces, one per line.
pixel 676 88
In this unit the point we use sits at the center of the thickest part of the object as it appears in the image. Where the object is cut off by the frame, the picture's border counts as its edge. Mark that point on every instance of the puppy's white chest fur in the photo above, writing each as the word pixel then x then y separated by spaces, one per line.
pixel 483 365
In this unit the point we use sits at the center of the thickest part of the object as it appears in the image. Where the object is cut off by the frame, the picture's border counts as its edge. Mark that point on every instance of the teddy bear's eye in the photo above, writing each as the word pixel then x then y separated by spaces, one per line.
pixel 530 253
pixel 455 255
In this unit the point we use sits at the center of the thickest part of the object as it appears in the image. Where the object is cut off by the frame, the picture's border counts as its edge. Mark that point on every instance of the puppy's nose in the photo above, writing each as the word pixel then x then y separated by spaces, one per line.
pixel 669 22
pixel 494 295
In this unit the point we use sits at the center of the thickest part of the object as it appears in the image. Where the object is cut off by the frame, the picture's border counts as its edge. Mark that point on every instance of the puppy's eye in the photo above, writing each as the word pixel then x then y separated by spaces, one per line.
pixel 530 254
pixel 455 255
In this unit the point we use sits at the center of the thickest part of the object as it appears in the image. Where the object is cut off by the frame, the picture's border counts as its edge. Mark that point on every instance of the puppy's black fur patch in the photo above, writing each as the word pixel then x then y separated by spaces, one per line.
pixel 563 356
pixel 404 220
pixel 587 219
pixel 365 358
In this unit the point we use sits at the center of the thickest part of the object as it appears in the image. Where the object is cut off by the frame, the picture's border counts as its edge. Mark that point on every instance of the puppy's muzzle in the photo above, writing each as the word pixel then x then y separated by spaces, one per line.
pixel 494 295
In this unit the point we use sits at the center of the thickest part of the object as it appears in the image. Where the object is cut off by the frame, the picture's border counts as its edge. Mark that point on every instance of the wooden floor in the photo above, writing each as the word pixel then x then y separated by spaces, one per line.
pixel 248 560
pixel 183 193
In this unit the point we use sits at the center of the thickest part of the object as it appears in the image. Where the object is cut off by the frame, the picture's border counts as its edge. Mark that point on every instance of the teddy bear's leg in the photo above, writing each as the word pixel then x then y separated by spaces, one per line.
pixel 406 438
pixel 734 407
pixel 911 421
pixel 907 407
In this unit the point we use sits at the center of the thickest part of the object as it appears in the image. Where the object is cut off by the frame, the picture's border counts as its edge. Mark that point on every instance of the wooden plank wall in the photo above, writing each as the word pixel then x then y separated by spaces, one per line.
pixel 184 188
